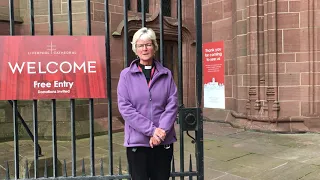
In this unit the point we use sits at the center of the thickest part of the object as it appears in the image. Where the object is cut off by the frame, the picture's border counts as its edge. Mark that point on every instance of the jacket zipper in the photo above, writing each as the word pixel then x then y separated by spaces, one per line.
pixel 150 99
pixel 150 96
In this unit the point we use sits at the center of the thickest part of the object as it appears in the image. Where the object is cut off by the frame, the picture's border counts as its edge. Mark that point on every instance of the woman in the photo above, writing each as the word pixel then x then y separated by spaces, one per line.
pixel 147 101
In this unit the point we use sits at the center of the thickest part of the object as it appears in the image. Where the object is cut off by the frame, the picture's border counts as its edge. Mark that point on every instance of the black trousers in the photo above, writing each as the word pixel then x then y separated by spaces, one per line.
pixel 150 163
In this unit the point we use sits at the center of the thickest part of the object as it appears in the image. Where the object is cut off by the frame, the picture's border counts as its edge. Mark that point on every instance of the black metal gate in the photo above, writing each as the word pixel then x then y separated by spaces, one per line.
pixel 190 118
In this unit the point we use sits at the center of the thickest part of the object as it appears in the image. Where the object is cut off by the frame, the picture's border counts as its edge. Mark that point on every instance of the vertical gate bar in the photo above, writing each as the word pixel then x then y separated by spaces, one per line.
pixel 45 173
pixel 72 101
pixel 70 17
pixel 32 17
pixel 26 174
pixel 35 103
pixel 50 17
pixel 125 30
pixel 101 167
pixel 120 166
pixel 91 114
pixel 108 64
pixel 91 101
pixel 15 110
pixel 35 132
pixel 53 103
pixel 190 167
pixel 16 139
pixel 7 171
pixel 88 18
pixel 180 84
pixel 54 137
pixel 83 168
pixel 199 132
pixel 198 12
pixel 173 169
pixel 161 31
pixel 143 14
pixel 11 16
pixel 73 136
pixel 65 174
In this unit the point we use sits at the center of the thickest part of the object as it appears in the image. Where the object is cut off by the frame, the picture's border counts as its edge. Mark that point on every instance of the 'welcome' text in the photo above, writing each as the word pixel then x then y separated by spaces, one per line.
pixel 53 67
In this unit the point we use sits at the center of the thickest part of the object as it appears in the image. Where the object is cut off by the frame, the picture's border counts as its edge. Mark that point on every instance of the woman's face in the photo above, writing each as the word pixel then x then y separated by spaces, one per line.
pixel 145 50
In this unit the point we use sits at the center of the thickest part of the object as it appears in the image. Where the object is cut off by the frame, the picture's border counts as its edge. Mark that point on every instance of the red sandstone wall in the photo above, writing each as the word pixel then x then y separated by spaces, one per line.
pixel 272 73
pixel 217 26
pixel 299 26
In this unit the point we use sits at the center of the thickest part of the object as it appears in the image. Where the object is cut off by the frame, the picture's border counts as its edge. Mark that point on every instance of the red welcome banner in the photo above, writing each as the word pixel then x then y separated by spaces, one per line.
pixel 52 67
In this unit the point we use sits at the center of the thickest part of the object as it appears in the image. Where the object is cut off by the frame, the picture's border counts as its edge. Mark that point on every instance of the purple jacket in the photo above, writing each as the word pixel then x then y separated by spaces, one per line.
pixel 145 108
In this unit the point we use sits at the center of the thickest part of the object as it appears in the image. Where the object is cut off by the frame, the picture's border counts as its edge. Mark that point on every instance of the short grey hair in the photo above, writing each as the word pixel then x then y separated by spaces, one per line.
pixel 145 34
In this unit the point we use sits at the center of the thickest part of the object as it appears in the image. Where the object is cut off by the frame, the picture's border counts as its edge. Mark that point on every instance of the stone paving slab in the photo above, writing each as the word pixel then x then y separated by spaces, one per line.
pixel 220 165
pixel 288 170
pixel 255 148
pixel 229 177
pixel 259 161
pixel 312 176
pixel 213 174
pixel 245 171
pixel 302 154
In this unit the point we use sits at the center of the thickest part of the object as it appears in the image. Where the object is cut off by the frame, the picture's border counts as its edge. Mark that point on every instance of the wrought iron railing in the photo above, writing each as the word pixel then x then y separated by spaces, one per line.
pixel 196 112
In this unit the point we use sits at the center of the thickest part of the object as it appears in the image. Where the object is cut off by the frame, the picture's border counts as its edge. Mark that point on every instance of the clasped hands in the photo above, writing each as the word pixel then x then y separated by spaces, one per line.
pixel 158 136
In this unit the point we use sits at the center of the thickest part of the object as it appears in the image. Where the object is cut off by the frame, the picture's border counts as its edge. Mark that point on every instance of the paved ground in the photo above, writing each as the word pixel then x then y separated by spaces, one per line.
pixel 230 154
